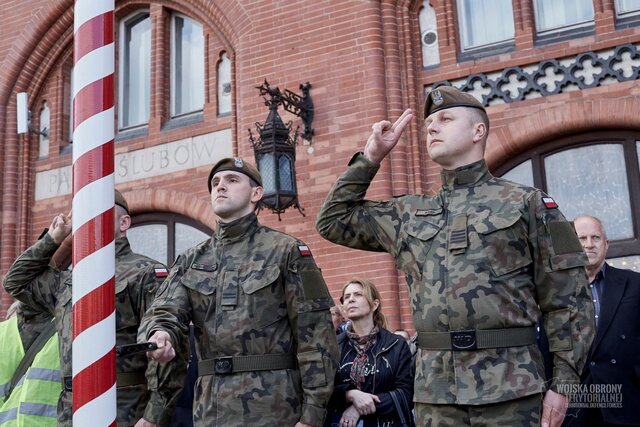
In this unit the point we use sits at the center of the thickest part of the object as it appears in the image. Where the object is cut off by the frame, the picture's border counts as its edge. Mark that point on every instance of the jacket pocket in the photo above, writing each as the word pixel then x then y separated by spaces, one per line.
pixel 504 241
pixel 263 295
pixel 416 244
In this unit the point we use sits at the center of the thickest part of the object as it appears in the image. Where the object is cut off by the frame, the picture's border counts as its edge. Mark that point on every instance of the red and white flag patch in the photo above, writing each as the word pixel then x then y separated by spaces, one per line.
pixel 304 250
pixel 161 272
pixel 549 203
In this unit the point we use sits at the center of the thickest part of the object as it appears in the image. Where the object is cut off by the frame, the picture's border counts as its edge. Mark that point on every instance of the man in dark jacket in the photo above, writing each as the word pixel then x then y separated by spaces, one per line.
pixel 609 394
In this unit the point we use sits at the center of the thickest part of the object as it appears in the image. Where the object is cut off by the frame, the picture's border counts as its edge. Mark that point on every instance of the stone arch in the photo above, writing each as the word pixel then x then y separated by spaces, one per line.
pixel 532 130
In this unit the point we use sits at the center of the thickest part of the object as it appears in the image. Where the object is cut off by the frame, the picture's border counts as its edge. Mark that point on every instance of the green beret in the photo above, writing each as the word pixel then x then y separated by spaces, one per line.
pixel 444 97
pixel 238 165
pixel 120 201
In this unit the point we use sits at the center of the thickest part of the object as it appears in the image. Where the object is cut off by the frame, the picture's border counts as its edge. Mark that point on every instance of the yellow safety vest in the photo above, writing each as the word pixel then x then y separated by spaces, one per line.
pixel 12 354
pixel 41 387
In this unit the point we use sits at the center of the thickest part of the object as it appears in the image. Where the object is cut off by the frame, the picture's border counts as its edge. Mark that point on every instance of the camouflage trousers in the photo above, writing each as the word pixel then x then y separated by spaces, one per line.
pixel 519 412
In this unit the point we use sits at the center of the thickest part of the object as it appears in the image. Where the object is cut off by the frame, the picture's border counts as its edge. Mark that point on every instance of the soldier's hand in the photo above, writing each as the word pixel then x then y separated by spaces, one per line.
pixel 350 417
pixel 364 403
pixel 165 351
pixel 60 227
pixel 385 136
pixel 144 423
pixel 554 408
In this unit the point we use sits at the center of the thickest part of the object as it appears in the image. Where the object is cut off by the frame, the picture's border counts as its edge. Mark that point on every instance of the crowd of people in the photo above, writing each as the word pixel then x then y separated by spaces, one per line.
pixel 492 267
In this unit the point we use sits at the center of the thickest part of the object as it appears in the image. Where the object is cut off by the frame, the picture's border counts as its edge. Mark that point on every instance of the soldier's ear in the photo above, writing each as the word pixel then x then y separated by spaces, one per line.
pixel 125 223
pixel 256 194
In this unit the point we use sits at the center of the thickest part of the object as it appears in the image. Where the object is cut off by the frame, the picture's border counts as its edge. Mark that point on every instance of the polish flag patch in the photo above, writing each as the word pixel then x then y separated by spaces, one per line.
pixel 161 272
pixel 304 250
pixel 549 203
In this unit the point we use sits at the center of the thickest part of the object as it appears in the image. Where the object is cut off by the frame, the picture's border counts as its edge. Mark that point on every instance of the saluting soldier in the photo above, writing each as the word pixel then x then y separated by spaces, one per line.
pixel 260 312
pixel 484 259
pixel 38 284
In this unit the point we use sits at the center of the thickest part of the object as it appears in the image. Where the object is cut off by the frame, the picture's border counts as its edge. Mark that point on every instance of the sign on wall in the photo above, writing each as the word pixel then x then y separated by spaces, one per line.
pixel 148 162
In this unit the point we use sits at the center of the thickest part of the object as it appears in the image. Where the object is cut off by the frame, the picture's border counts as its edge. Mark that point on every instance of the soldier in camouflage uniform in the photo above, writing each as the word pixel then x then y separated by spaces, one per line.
pixel 484 259
pixel 260 312
pixel 34 281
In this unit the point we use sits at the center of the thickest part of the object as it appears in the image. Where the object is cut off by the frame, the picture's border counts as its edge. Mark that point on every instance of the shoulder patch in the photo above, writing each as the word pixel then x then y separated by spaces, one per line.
pixel 161 272
pixel 304 250
pixel 549 203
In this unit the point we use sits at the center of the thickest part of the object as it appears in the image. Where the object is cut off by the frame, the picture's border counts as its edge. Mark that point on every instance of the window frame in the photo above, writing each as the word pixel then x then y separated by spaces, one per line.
pixel 122 49
pixel 169 219
pixel 491 48
pixel 172 67
pixel 562 32
pixel 628 139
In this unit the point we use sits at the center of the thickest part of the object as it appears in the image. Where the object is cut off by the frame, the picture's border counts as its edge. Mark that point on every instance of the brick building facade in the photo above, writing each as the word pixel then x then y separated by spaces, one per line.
pixel 553 87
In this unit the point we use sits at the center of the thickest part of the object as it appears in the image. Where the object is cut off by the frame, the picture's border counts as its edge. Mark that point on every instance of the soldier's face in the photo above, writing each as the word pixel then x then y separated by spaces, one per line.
pixel 355 303
pixel 451 137
pixel 232 195
pixel 593 240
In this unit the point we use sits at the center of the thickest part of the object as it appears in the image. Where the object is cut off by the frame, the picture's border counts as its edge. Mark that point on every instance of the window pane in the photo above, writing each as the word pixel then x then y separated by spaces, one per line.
pixel 187 237
pixel 522 174
pixel 149 240
pixel 187 66
pixel 625 6
pixel 484 22
pixel 627 262
pixel 136 71
pixel 552 14
pixel 592 180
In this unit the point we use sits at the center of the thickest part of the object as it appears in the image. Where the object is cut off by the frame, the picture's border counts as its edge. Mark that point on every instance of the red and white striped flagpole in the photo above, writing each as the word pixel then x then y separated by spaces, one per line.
pixel 94 376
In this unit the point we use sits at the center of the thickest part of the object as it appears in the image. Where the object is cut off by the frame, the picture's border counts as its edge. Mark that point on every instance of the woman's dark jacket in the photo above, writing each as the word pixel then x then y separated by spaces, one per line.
pixel 388 369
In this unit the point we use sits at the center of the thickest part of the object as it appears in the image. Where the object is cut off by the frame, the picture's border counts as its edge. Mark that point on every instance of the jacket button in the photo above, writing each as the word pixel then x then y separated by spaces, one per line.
pixel 613 361
pixel 623 337
pixel 592 363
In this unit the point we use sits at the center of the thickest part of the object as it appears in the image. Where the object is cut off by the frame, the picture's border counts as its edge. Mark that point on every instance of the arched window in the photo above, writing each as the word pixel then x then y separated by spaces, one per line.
pixel 224 84
pixel 429 35
pixel 164 236
pixel 595 174
pixel 45 130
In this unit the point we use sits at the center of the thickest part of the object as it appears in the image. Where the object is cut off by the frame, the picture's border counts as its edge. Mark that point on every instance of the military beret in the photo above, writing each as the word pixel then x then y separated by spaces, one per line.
pixel 444 97
pixel 120 201
pixel 238 165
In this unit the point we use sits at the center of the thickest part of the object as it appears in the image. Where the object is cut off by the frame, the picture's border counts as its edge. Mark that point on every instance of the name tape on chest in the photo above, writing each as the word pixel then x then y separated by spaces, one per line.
pixel 304 250
pixel 549 203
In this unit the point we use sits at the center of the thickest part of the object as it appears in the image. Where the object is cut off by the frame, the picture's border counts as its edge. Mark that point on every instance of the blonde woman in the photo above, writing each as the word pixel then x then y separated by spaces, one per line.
pixel 374 384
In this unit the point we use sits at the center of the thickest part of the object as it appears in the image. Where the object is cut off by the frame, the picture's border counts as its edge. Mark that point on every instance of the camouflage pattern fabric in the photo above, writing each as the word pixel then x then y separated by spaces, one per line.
pixel 39 285
pixel 251 290
pixel 484 253
pixel 523 412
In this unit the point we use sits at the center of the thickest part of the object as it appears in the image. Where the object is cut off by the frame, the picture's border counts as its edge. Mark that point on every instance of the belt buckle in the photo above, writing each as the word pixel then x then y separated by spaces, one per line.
pixel 463 340
pixel 223 365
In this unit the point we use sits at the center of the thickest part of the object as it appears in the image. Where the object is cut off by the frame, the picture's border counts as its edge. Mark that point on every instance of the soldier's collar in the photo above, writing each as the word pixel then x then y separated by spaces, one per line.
pixel 465 176
pixel 122 246
pixel 236 228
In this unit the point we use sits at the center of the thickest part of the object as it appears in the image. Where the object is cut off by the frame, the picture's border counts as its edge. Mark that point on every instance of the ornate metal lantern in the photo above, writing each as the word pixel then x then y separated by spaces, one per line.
pixel 275 147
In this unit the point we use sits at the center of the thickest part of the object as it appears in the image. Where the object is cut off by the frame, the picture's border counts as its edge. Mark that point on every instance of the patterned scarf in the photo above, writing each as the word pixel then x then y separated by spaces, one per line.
pixel 362 344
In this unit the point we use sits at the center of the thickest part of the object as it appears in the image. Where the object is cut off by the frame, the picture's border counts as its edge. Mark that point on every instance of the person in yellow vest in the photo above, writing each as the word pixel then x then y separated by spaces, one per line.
pixel 30 380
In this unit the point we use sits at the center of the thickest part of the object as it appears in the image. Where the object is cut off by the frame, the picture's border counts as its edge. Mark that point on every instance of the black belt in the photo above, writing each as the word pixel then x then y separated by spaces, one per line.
pixel 258 362
pixel 123 379
pixel 477 339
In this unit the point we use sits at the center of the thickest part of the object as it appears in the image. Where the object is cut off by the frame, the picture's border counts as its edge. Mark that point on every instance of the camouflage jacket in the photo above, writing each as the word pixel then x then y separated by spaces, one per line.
pixel 251 290
pixel 484 253
pixel 32 280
